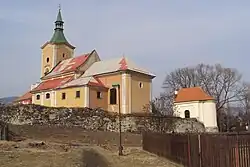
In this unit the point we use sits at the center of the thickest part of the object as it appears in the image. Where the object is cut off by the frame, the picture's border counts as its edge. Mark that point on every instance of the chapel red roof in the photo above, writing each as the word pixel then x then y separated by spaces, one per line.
pixel 192 94
pixel 52 84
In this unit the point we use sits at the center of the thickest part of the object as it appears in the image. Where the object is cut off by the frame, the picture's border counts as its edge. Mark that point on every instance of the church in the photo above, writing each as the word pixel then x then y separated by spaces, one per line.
pixel 86 80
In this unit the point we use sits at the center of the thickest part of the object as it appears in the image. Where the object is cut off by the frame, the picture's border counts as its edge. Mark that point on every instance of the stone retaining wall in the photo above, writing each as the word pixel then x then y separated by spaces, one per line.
pixel 95 119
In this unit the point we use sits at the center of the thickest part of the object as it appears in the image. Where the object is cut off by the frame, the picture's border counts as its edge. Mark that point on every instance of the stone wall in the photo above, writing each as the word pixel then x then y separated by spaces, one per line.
pixel 95 119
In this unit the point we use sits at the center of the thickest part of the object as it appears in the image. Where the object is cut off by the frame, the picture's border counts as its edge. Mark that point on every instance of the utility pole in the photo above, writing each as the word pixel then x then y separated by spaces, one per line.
pixel 120 148
pixel 247 110
pixel 228 113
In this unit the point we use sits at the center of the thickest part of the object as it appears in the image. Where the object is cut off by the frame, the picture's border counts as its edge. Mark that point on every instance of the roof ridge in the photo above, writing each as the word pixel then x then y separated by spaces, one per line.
pixel 115 65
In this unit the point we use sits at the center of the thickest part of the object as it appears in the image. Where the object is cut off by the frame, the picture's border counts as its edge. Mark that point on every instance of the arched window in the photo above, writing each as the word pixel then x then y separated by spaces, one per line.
pixel 113 96
pixel 140 85
pixel 187 114
pixel 47 59
pixel 47 95
pixel 38 97
pixel 99 95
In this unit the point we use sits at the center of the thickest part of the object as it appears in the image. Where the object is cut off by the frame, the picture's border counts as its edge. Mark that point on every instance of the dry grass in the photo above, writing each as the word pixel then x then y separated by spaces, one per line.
pixel 23 155
pixel 135 157
pixel 74 134
pixel 38 154
pixel 74 147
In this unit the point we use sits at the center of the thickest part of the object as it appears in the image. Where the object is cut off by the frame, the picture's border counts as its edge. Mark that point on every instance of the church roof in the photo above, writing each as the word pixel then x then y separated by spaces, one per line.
pixel 114 65
pixel 52 84
pixel 192 94
pixel 68 65
pixel 59 16
pixel 58 36
pixel 91 81
pixel 26 96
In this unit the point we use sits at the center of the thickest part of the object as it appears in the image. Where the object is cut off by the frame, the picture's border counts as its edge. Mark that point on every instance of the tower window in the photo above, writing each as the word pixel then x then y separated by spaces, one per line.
pixel 98 95
pixel 38 97
pixel 113 96
pixel 63 96
pixel 47 95
pixel 63 55
pixel 140 85
pixel 187 114
pixel 47 59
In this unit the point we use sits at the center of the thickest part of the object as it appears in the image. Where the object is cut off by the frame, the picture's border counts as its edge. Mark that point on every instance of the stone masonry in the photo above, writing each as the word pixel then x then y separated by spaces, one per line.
pixel 95 119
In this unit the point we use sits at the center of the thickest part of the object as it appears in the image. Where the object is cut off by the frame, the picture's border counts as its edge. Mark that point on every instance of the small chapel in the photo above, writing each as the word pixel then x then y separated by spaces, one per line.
pixel 194 102
pixel 86 80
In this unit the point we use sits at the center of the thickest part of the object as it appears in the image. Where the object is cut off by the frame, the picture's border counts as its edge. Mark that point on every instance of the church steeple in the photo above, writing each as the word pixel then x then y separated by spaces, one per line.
pixel 57 49
pixel 58 36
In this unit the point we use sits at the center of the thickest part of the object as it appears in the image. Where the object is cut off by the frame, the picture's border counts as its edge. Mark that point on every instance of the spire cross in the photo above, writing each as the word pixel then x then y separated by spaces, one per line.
pixel 59 6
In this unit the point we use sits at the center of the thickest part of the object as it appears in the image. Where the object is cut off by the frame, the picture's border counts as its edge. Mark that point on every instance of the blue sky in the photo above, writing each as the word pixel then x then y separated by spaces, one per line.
pixel 159 35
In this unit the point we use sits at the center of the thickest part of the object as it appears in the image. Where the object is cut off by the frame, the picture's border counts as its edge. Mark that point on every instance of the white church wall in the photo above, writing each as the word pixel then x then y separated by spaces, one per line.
pixel 209 111
pixel 191 106
pixel 204 111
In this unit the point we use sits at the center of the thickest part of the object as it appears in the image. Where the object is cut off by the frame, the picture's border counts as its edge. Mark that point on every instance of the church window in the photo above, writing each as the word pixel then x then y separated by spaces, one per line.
pixel 113 96
pixel 47 59
pixel 47 95
pixel 63 96
pixel 38 97
pixel 78 94
pixel 187 114
pixel 140 85
pixel 98 95
pixel 63 55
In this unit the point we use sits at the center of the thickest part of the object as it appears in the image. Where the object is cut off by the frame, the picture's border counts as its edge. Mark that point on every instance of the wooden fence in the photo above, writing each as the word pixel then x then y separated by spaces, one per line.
pixel 201 150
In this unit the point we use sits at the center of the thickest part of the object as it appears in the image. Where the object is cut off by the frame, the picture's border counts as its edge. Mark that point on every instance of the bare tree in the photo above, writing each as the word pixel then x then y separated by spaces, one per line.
pixel 162 105
pixel 245 99
pixel 224 84
pixel 244 105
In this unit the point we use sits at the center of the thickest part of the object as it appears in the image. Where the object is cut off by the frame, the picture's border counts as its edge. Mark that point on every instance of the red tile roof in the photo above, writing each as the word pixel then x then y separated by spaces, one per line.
pixel 192 94
pixel 91 81
pixel 71 64
pixel 68 65
pixel 26 96
pixel 52 84
pixel 98 83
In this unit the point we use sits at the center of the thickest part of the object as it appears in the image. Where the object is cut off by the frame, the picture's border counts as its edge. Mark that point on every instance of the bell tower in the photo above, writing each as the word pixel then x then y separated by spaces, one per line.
pixel 57 49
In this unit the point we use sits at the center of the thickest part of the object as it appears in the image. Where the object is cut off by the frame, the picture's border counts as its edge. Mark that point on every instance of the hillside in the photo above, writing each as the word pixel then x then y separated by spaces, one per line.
pixel 7 100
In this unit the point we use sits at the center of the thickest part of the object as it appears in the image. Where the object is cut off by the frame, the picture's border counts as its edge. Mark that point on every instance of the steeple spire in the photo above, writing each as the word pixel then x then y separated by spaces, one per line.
pixel 59 16
pixel 58 36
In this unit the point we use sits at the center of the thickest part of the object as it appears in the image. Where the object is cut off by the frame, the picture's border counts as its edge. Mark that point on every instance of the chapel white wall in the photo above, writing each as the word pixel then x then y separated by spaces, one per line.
pixel 204 111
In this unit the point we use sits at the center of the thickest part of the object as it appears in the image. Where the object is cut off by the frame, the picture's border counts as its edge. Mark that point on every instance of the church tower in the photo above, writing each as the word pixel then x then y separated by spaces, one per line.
pixel 57 49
